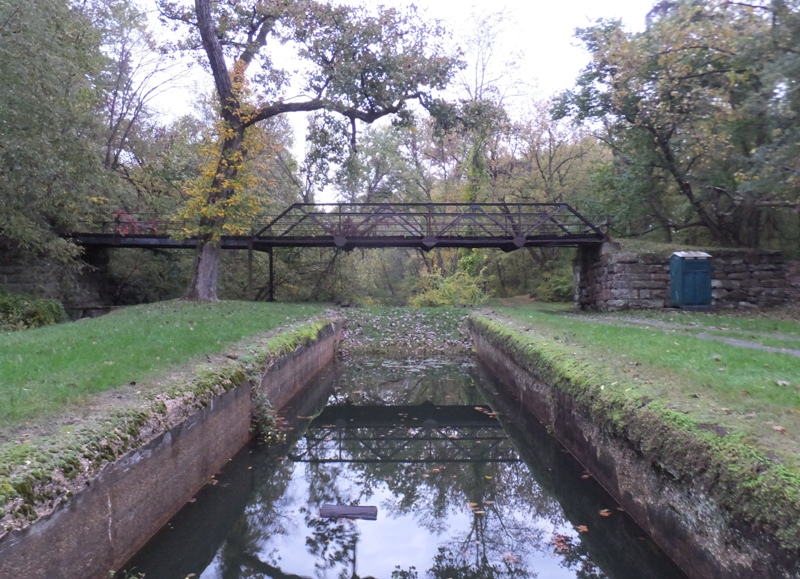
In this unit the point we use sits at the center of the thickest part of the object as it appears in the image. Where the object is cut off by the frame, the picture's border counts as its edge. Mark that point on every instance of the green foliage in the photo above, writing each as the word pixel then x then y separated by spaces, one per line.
pixel 51 172
pixel 700 132
pixel 555 286
pixel 457 289
pixel 263 423
pixel 140 277
pixel 20 311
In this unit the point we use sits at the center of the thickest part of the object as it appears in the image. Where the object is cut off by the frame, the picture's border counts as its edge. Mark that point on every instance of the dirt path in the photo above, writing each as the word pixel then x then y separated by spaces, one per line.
pixel 687 330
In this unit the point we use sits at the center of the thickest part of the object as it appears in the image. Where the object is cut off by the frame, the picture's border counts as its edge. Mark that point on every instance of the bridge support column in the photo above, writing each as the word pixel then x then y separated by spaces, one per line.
pixel 589 275
pixel 271 276
pixel 250 271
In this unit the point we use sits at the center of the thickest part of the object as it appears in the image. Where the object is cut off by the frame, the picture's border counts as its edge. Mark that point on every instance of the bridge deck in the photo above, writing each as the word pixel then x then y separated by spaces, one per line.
pixel 373 225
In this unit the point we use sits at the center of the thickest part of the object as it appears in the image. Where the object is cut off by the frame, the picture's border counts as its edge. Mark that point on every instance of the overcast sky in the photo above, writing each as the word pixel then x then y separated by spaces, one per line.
pixel 540 31
pixel 543 30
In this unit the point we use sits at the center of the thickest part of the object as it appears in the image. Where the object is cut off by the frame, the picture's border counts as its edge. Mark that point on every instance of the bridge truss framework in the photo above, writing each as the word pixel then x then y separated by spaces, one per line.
pixel 347 226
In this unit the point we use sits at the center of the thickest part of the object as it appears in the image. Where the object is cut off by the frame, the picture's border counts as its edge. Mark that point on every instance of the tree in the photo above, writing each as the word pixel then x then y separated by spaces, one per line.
pixel 358 64
pixel 50 163
pixel 136 72
pixel 684 105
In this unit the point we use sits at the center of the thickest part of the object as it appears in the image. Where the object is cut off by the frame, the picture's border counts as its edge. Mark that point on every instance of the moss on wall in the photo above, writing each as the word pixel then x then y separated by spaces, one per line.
pixel 735 474
pixel 38 475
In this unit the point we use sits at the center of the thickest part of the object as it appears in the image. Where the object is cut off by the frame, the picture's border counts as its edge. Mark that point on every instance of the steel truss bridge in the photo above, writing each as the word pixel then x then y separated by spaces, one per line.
pixel 506 226
pixel 425 433
pixel 347 226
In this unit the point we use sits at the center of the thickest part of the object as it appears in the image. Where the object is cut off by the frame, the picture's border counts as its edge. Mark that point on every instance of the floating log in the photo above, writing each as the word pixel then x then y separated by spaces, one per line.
pixel 348 512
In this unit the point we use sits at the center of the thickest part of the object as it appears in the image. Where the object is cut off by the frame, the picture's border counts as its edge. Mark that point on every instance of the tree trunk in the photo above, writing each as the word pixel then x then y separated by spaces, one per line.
pixel 203 284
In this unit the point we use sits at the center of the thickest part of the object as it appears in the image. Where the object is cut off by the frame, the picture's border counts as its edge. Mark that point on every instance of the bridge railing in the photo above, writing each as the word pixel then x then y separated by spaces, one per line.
pixel 133 224
pixel 148 224
pixel 423 220
pixel 351 222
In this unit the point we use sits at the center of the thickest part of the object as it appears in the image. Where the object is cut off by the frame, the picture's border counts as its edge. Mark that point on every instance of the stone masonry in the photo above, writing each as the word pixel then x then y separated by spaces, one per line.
pixel 78 291
pixel 608 279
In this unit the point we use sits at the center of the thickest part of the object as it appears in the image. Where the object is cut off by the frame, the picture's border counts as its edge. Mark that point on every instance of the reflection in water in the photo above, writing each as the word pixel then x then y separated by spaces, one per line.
pixel 454 498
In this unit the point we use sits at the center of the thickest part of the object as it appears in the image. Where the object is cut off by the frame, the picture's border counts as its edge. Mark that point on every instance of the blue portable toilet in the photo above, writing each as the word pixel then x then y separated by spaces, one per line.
pixel 690 279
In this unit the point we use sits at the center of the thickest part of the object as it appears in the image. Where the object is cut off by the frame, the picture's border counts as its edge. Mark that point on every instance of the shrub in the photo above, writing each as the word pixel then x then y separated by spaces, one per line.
pixel 458 289
pixel 556 286
pixel 21 311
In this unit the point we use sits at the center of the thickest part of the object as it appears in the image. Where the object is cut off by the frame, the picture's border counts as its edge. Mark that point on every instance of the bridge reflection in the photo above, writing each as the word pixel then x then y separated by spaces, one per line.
pixel 419 434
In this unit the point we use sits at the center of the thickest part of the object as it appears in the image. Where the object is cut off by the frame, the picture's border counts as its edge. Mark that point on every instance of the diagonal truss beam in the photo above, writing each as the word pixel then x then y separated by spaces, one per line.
pixel 424 433
pixel 506 226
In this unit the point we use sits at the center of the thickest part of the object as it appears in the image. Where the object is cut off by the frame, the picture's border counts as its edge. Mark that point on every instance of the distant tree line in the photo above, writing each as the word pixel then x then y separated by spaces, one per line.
pixel 685 133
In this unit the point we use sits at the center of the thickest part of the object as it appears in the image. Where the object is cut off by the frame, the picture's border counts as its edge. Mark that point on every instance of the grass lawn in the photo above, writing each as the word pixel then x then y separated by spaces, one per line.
pixel 679 358
pixel 45 370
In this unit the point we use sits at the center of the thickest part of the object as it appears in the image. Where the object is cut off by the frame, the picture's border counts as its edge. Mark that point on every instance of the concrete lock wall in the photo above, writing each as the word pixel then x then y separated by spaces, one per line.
pixel 105 524
pixel 608 279
pixel 701 537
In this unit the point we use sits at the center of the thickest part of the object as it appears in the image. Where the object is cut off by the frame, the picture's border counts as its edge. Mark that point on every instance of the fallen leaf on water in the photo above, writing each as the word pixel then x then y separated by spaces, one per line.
pixel 473 504
pixel 605 513
pixel 487 477
pixel 436 470
pixel 780 429
pixel 582 529
pixel 487 502
pixel 509 557
pixel 561 542
pixel 479 512
pixel 586 475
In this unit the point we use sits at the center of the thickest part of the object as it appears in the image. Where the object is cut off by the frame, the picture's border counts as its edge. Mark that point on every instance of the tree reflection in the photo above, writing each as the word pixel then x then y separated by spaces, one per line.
pixel 462 565
pixel 575 557
pixel 488 517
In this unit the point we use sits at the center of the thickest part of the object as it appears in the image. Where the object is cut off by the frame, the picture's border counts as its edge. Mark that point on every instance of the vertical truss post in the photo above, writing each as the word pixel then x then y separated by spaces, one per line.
pixel 250 270
pixel 271 276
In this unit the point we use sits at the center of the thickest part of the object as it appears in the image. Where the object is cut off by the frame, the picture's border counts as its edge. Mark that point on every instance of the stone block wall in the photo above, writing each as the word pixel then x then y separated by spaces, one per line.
pixel 608 279
pixel 78 291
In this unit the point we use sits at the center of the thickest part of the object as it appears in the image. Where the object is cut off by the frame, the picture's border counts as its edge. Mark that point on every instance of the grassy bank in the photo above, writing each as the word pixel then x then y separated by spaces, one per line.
pixel 680 359
pixel 44 370
pixel 703 409
pixel 88 392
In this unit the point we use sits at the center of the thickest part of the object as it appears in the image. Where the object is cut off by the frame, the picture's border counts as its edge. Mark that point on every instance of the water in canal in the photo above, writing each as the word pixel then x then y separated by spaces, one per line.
pixel 458 483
